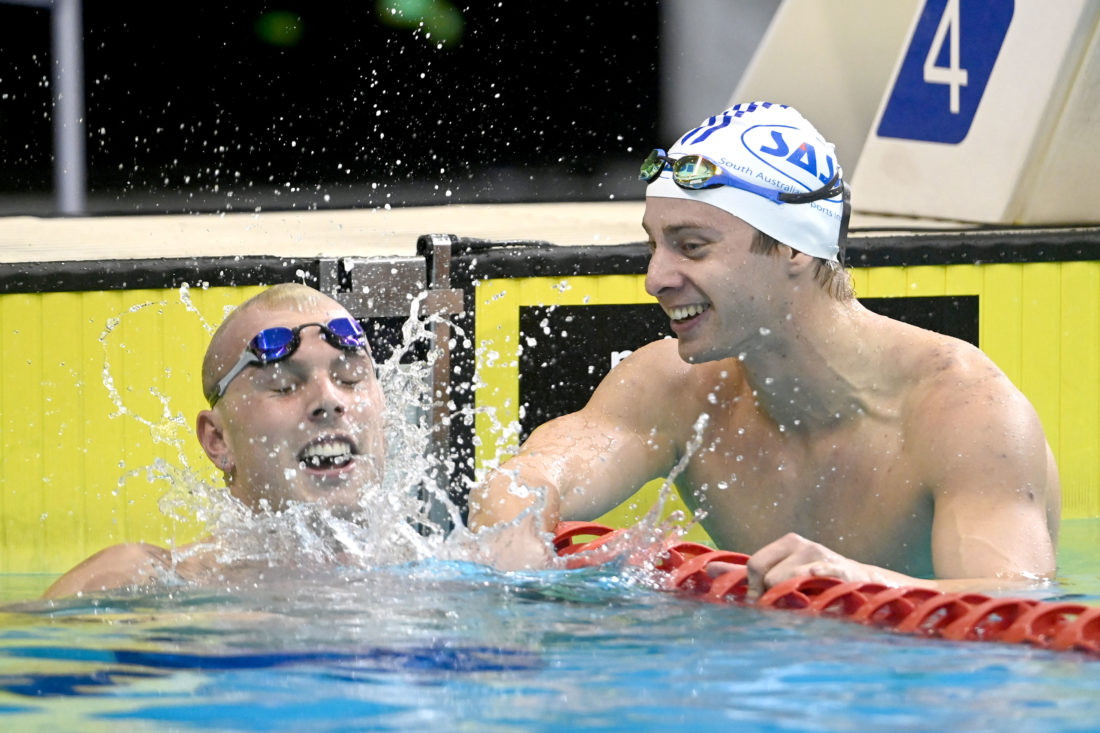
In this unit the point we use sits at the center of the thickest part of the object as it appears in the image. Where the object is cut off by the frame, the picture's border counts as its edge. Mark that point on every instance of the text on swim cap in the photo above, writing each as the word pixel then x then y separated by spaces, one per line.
pixel 804 154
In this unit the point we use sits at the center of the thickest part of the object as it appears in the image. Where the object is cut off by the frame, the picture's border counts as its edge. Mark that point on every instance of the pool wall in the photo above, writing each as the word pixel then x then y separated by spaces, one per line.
pixel 75 454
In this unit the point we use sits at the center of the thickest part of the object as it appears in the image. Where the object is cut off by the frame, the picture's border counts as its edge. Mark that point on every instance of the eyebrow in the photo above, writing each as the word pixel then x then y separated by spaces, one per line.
pixel 675 230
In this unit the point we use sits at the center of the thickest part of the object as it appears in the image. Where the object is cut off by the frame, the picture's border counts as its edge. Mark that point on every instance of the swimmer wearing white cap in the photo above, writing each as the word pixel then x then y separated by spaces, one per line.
pixel 836 442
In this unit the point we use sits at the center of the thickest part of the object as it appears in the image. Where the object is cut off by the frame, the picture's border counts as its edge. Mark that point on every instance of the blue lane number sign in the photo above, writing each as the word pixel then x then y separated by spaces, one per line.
pixel 945 69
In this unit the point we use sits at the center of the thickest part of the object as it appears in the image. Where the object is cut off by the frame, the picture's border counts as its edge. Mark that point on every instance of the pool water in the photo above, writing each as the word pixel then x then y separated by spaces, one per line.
pixel 456 646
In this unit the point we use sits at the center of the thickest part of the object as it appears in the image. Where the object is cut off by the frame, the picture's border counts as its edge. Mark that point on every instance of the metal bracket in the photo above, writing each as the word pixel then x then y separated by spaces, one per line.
pixel 379 287
pixel 374 287
pixel 385 287
pixel 441 300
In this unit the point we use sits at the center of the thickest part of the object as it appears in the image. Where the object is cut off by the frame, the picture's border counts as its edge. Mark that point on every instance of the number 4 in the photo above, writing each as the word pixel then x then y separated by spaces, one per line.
pixel 951 75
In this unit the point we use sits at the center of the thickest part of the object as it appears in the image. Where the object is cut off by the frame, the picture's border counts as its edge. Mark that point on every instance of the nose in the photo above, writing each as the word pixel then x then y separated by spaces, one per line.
pixel 663 271
pixel 328 400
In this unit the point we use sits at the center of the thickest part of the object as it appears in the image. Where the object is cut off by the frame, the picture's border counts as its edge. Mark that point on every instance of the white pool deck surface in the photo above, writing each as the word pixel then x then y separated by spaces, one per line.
pixel 344 233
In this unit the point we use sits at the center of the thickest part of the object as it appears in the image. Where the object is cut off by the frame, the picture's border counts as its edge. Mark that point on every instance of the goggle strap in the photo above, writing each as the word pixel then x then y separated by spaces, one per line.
pixel 833 187
pixel 247 359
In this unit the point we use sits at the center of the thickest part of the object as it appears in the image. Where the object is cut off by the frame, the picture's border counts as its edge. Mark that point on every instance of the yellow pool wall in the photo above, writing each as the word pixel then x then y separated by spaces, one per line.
pixel 76 463
pixel 1039 322
pixel 77 473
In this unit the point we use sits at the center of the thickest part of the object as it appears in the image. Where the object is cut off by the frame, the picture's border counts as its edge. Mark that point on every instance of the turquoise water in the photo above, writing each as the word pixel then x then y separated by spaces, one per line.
pixel 454 646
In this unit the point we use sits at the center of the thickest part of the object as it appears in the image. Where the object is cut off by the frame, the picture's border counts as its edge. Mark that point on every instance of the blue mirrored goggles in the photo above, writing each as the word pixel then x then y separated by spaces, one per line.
pixel 696 172
pixel 279 342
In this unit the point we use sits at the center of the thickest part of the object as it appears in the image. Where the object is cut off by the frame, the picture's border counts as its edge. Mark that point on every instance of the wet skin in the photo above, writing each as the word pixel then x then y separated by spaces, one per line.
pixel 307 428
pixel 838 442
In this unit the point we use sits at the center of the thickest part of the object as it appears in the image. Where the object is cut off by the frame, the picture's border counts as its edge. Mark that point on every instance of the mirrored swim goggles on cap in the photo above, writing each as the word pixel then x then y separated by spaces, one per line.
pixel 279 342
pixel 696 172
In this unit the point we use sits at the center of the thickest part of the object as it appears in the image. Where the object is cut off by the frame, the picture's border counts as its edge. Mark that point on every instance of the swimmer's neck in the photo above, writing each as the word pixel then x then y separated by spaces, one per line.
pixel 812 373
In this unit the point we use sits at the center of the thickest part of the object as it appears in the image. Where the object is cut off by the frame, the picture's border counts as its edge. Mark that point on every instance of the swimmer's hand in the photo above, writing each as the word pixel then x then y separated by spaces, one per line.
pixel 794 556
pixel 517 545
pixel 511 514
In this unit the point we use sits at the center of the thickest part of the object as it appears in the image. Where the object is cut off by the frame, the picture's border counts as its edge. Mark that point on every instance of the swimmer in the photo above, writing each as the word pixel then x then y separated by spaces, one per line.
pixel 296 415
pixel 838 442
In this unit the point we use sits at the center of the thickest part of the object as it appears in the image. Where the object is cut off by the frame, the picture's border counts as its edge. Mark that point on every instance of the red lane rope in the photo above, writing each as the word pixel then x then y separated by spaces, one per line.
pixel 721 576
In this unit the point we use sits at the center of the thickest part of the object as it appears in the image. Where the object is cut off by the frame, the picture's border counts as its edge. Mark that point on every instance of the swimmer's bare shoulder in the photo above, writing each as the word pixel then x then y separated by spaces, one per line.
pixel 648 386
pixel 656 390
pixel 982 452
pixel 959 400
pixel 127 565
pixel 956 384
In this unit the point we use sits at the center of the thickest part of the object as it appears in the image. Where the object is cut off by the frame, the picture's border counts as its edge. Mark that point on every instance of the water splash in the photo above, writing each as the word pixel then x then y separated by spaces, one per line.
pixel 408 517
pixel 635 550
pixel 165 428
pixel 403 519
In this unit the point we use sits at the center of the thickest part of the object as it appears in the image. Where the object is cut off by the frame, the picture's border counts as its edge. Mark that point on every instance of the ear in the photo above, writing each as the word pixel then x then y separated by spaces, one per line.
pixel 211 434
pixel 797 262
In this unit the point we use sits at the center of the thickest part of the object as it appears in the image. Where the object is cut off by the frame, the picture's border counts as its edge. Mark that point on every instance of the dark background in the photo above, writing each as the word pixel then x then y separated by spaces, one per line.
pixel 232 106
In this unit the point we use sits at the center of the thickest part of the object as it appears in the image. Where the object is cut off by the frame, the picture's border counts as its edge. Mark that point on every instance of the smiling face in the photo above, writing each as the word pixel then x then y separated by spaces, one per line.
pixel 717 293
pixel 306 428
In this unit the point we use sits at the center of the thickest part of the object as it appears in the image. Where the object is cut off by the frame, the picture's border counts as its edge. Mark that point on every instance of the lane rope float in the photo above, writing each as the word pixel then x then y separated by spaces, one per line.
pixel 1056 625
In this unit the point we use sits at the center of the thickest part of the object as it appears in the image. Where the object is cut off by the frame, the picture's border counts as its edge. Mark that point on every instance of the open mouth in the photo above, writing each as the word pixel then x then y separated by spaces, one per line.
pixel 328 453
pixel 687 312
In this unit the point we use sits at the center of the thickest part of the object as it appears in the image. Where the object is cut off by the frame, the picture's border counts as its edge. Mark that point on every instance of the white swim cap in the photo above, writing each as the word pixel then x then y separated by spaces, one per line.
pixel 775 149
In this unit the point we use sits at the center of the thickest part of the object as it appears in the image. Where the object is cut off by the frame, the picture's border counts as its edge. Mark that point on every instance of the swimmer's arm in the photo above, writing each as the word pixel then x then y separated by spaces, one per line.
pixel 120 566
pixel 583 464
pixel 994 483
pixel 587 462
pixel 523 500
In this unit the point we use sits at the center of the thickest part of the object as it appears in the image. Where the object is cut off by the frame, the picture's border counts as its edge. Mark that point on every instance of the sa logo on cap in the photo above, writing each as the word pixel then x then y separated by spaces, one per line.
pixel 769 143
